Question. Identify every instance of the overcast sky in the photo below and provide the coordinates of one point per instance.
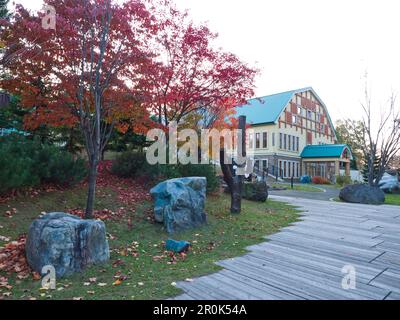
(327, 44)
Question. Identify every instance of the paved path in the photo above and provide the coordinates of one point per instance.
(329, 193)
(305, 260)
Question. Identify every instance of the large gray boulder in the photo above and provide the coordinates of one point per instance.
(255, 191)
(362, 193)
(179, 203)
(66, 242)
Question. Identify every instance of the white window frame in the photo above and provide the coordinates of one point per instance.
(251, 141)
(266, 140)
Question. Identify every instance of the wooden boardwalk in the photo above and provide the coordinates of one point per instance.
(305, 260)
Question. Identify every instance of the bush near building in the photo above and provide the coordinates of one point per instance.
(132, 164)
(320, 180)
(343, 180)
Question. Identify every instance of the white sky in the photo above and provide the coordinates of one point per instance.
(327, 44)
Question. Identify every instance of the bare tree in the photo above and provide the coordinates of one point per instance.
(395, 163)
(379, 138)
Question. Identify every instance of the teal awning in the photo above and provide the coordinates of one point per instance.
(326, 151)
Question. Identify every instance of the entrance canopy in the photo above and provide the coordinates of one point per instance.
(339, 151)
(326, 160)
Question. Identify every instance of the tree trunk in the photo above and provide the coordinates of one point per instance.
(92, 190)
(236, 195)
(371, 170)
(234, 182)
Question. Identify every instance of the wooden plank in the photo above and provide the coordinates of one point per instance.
(277, 281)
(215, 282)
(384, 218)
(393, 296)
(202, 292)
(194, 292)
(390, 238)
(389, 247)
(292, 279)
(387, 226)
(346, 238)
(282, 249)
(304, 260)
(390, 279)
(324, 247)
(335, 221)
(241, 289)
(330, 281)
(379, 215)
(257, 285)
(319, 238)
(391, 259)
(349, 228)
(328, 265)
(337, 213)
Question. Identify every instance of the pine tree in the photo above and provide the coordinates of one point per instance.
(365, 169)
(4, 13)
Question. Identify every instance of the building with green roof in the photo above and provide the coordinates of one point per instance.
(291, 134)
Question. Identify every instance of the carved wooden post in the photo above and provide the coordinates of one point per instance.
(235, 182)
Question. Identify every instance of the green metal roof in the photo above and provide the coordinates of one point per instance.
(325, 151)
(265, 110)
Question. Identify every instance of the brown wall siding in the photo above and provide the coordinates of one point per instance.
(293, 108)
(308, 104)
(288, 118)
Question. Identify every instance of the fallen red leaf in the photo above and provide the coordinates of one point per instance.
(13, 260)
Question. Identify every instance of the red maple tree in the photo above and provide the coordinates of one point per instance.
(87, 71)
(110, 65)
(191, 75)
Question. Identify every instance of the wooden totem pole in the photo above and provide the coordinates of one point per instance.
(232, 179)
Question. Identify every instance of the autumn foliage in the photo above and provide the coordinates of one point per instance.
(53, 71)
(110, 65)
(191, 76)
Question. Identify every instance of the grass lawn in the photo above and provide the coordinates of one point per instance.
(390, 199)
(298, 187)
(149, 273)
(393, 199)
